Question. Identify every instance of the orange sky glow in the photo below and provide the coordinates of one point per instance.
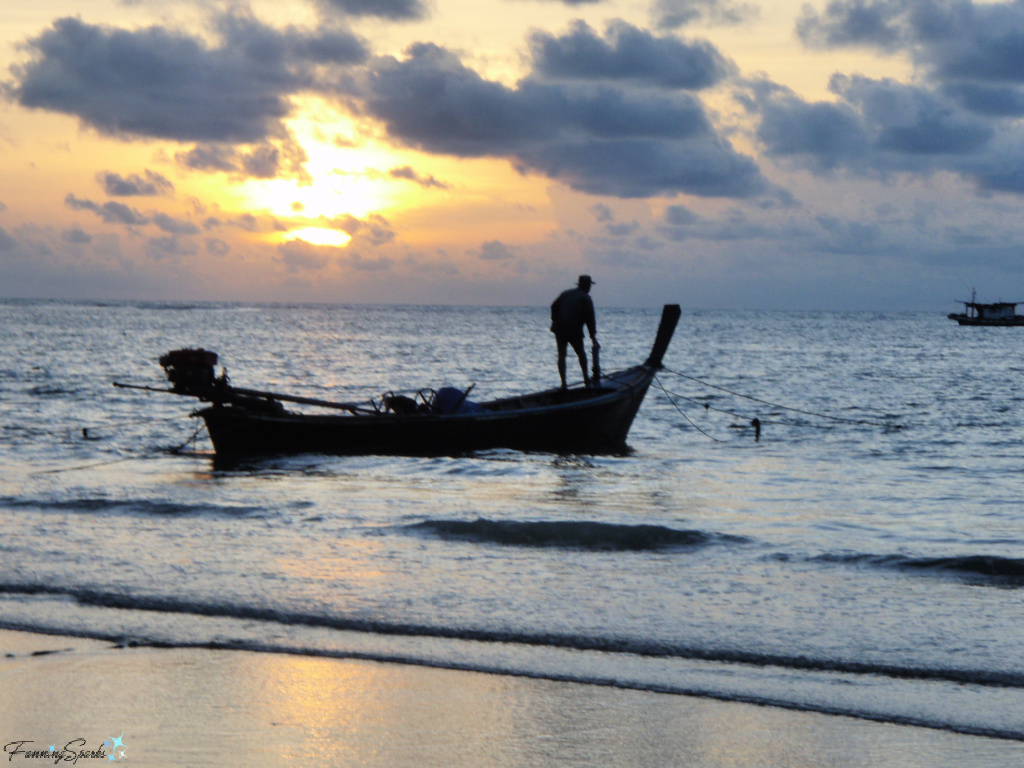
(716, 153)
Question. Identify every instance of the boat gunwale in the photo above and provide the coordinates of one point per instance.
(622, 389)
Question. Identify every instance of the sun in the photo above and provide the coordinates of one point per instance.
(318, 236)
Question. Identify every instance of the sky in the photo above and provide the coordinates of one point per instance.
(728, 154)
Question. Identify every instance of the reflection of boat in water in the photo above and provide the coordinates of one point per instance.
(244, 422)
(998, 313)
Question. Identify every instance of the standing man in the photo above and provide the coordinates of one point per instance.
(570, 312)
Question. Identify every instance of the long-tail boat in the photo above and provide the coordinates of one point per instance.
(578, 419)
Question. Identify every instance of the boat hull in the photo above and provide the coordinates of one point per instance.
(572, 421)
(1015, 320)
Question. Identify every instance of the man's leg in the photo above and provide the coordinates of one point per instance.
(581, 353)
(562, 343)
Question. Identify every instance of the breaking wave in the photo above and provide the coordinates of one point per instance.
(611, 537)
(992, 569)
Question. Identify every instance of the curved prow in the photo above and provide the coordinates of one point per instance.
(669, 317)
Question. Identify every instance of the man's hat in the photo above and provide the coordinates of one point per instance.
(585, 280)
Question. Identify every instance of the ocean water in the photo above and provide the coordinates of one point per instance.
(864, 557)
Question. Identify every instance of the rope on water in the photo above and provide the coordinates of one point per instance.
(872, 422)
(177, 450)
(682, 412)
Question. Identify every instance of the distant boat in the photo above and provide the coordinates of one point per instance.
(249, 423)
(998, 314)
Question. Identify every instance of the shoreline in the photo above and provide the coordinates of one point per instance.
(186, 706)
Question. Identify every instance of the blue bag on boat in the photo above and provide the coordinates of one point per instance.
(452, 400)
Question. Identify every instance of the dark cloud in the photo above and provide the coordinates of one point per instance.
(628, 53)
(495, 250)
(960, 114)
(112, 212)
(266, 160)
(705, 166)
(360, 263)
(170, 247)
(409, 173)
(673, 14)
(823, 134)
(991, 101)
(134, 185)
(217, 247)
(373, 230)
(950, 40)
(300, 256)
(875, 126)
(76, 236)
(847, 237)
(680, 216)
(911, 120)
(174, 226)
(156, 82)
(596, 137)
(395, 10)
(7, 243)
(847, 23)
(622, 229)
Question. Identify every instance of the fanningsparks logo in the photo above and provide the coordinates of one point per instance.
(71, 752)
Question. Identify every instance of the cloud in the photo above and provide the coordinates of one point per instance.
(395, 10)
(217, 247)
(673, 14)
(75, 235)
(874, 126)
(495, 250)
(170, 247)
(266, 160)
(111, 212)
(300, 256)
(409, 173)
(959, 115)
(116, 185)
(630, 54)
(7, 243)
(374, 230)
(912, 120)
(680, 216)
(847, 23)
(160, 83)
(950, 40)
(376, 264)
(988, 100)
(594, 136)
(175, 226)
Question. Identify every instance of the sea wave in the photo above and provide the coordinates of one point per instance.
(984, 569)
(569, 534)
(609, 644)
(143, 507)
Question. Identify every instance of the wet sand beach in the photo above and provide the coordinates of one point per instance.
(195, 707)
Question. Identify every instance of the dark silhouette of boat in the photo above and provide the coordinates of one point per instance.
(1000, 313)
(250, 423)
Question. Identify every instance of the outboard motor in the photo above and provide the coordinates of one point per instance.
(190, 370)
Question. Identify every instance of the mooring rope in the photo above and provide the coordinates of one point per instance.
(830, 417)
(174, 450)
(682, 412)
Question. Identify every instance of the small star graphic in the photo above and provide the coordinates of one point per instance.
(121, 753)
(53, 747)
(117, 742)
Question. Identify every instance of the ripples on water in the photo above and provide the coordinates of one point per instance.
(873, 568)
